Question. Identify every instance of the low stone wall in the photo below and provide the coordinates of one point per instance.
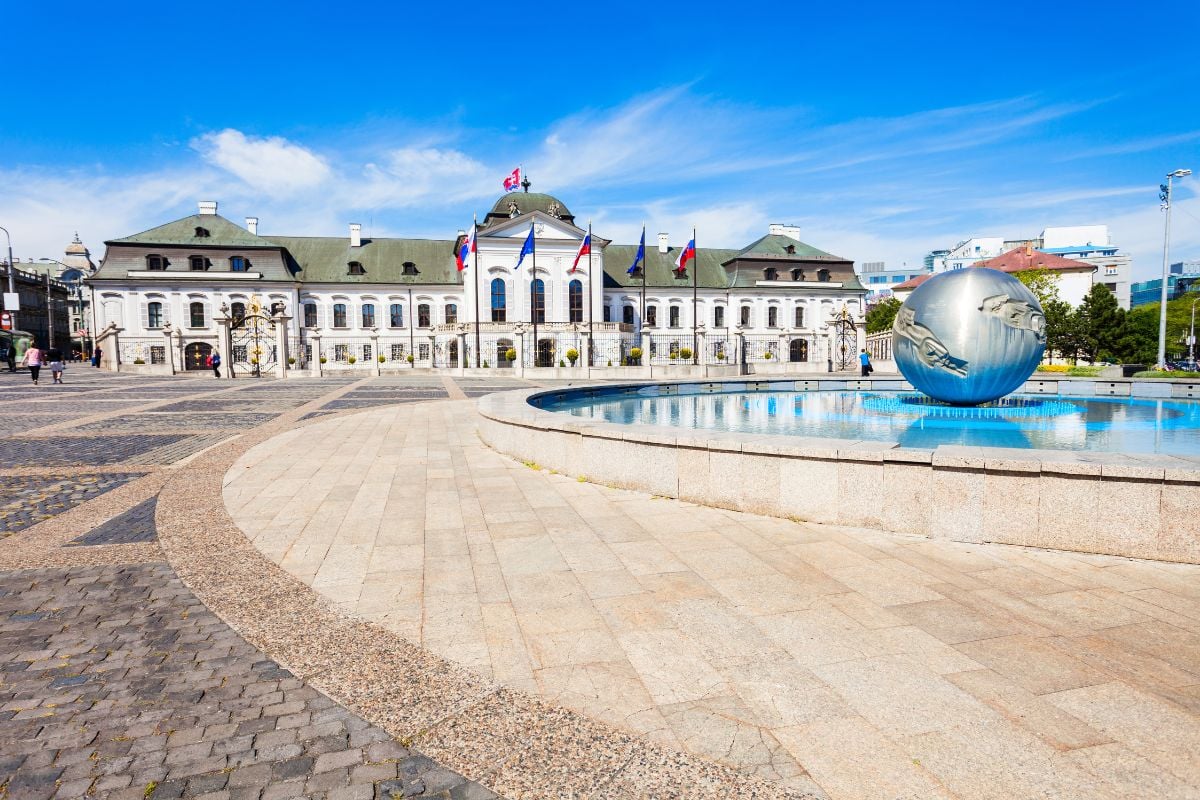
(1125, 505)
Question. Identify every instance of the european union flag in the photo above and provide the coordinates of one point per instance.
(527, 248)
(640, 258)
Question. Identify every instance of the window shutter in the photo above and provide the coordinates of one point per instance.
(145, 306)
(166, 310)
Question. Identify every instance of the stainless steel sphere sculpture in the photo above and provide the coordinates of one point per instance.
(969, 336)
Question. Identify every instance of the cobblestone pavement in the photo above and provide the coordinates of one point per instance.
(115, 681)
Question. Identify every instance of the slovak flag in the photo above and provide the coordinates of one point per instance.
(513, 182)
(585, 248)
(685, 255)
(465, 250)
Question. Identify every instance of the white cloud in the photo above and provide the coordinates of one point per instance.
(271, 165)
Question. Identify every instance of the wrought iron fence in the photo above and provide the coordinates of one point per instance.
(148, 350)
(761, 348)
(719, 349)
(671, 348)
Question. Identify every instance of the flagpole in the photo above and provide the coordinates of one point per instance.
(475, 233)
(695, 297)
(533, 292)
(642, 314)
(589, 294)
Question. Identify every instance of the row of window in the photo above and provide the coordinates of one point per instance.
(159, 263)
(772, 274)
(367, 310)
(746, 316)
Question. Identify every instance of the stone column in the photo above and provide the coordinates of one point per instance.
(109, 342)
(645, 348)
(739, 349)
(519, 346)
(462, 350)
(180, 351)
(224, 342)
(170, 351)
(281, 344)
(784, 353)
(585, 356)
(374, 335)
(315, 367)
(432, 350)
(701, 346)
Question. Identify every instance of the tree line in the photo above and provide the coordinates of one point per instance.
(1098, 330)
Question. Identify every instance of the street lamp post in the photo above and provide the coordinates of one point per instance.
(12, 277)
(78, 292)
(1162, 309)
(1192, 336)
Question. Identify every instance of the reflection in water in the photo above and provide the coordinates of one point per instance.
(1038, 421)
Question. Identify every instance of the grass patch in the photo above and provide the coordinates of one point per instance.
(1163, 373)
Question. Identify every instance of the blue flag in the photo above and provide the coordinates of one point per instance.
(527, 248)
(640, 258)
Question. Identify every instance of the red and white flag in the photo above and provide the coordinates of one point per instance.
(585, 248)
(513, 182)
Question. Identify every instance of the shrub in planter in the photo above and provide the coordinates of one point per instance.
(136, 360)
(510, 354)
(323, 360)
(686, 354)
(635, 355)
(351, 360)
(383, 359)
(486, 364)
(572, 356)
(562, 363)
(610, 362)
(409, 358)
(721, 356)
(767, 355)
(291, 361)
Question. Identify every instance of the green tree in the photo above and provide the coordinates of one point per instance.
(1101, 324)
(1042, 282)
(881, 315)
(1061, 329)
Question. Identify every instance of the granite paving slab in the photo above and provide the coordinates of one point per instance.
(86, 450)
(27, 500)
(162, 420)
(130, 527)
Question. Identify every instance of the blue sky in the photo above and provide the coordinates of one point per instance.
(884, 130)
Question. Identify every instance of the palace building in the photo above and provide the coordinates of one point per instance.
(173, 292)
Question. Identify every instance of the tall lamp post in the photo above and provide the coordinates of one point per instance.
(1192, 336)
(12, 277)
(1162, 308)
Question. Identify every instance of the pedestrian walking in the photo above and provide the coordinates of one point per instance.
(12, 355)
(214, 361)
(864, 361)
(96, 354)
(54, 357)
(33, 359)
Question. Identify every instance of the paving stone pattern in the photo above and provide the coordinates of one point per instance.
(158, 420)
(27, 500)
(90, 451)
(118, 683)
(132, 526)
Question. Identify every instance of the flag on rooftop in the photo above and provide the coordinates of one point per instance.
(513, 181)
(640, 257)
(585, 248)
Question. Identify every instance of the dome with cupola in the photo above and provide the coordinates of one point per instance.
(514, 204)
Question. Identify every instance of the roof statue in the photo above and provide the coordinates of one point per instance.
(555, 210)
(513, 208)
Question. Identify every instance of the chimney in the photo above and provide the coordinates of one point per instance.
(664, 243)
(208, 206)
(784, 229)
(355, 234)
(252, 225)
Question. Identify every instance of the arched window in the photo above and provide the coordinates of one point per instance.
(539, 300)
(310, 315)
(719, 317)
(627, 314)
(652, 316)
(423, 315)
(396, 315)
(339, 315)
(237, 264)
(575, 301)
(368, 315)
(499, 307)
(798, 350)
(156, 263)
(154, 315)
(198, 263)
(799, 316)
(745, 318)
(196, 314)
(451, 313)
(237, 313)
(674, 316)
(773, 317)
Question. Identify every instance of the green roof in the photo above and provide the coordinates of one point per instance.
(660, 267)
(526, 202)
(221, 233)
(776, 245)
(326, 259)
